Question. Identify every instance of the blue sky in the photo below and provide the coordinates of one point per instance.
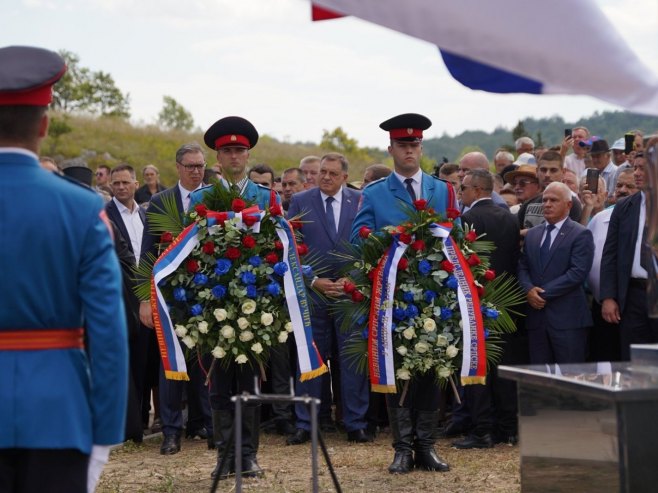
(265, 60)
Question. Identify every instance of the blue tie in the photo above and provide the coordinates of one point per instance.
(331, 222)
(545, 248)
(410, 189)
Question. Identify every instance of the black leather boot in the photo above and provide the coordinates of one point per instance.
(222, 423)
(425, 456)
(403, 434)
(250, 442)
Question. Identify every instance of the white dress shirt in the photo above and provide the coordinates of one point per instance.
(416, 184)
(335, 205)
(134, 225)
(637, 270)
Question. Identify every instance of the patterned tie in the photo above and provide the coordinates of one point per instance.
(410, 189)
(331, 222)
(545, 248)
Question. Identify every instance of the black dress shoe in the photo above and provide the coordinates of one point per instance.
(430, 461)
(250, 468)
(285, 427)
(403, 462)
(300, 436)
(199, 432)
(359, 436)
(474, 441)
(453, 430)
(170, 445)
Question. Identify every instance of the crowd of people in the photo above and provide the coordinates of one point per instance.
(568, 222)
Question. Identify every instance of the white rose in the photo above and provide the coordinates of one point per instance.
(288, 326)
(283, 336)
(203, 327)
(452, 351)
(266, 319)
(248, 307)
(247, 335)
(421, 347)
(227, 332)
(220, 314)
(241, 359)
(257, 348)
(445, 372)
(403, 374)
(188, 341)
(180, 330)
(218, 352)
(243, 323)
(429, 325)
(402, 350)
(409, 333)
(441, 340)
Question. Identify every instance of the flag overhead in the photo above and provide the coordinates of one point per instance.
(510, 46)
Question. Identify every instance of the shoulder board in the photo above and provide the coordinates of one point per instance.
(75, 182)
(376, 181)
(262, 186)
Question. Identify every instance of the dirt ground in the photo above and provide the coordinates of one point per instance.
(360, 468)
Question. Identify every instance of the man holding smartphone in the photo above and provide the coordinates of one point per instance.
(575, 161)
(600, 154)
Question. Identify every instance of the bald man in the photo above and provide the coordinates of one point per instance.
(477, 160)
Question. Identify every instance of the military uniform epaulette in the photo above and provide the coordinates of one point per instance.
(376, 181)
(263, 186)
(75, 182)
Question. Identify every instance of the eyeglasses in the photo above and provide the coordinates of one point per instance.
(523, 183)
(191, 167)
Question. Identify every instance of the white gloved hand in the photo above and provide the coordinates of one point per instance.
(100, 454)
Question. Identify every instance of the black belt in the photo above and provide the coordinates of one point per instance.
(638, 282)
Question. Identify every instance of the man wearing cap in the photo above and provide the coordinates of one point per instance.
(232, 137)
(600, 154)
(524, 182)
(63, 348)
(382, 204)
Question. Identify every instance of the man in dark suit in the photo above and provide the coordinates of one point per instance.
(556, 258)
(383, 204)
(328, 212)
(494, 404)
(624, 269)
(190, 163)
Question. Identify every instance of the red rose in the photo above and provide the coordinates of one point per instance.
(471, 236)
(371, 275)
(276, 210)
(418, 245)
(238, 205)
(201, 210)
(403, 264)
(208, 247)
(249, 220)
(296, 224)
(452, 213)
(490, 275)
(166, 237)
(278, 245)
(232, 253)
(447, 266)
(192, 266)
(420, 204)
(349, 287)
(357, 297)
(248, 241)
(302, 249)
(480, 291)
(364, 231)
(271, 258)
(474, 260)
(405, 238)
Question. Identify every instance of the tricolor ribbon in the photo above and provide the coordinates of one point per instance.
(173, 360)
(474, 357)
(380, 340)
(310, 361)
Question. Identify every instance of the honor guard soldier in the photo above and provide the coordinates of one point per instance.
(413, 425)
(63, 347)
(232, 137)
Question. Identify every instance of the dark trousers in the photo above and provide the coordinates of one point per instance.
(231, 380)
(635, 326)
(422, 395)
(555, 345)
(604, 343)
(280, 380)
(43, 471)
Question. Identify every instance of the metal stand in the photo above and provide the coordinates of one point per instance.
(236, 433)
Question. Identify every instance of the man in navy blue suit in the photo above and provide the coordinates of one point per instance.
(328, 212)
(383, 204)
(556, 259)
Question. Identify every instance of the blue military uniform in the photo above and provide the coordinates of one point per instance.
(252, 192)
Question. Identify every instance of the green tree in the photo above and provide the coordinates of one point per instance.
(56, 129)
(84, 91)
(174, 116)
(519, 131)
(337, 140)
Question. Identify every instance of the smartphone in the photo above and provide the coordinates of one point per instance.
(629, 143)
(567, 132)
(592, 180)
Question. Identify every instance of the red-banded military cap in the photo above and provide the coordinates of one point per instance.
(231, 131)
(27, 75)
(408, 126)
